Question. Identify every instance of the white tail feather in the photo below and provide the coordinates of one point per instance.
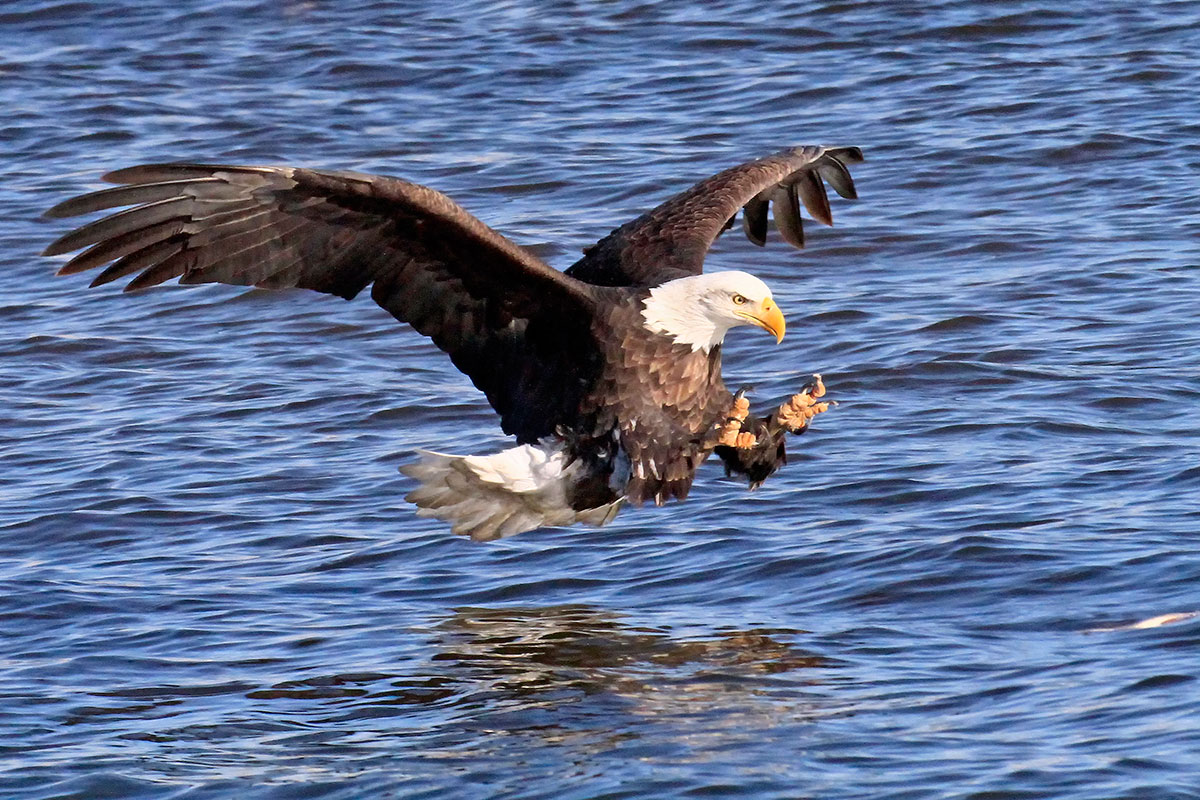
(489, 497)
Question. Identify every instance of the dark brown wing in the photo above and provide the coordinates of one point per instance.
(672, 240)
(508, 320)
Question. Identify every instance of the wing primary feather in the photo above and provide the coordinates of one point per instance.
(140, 259)
(136, 195)
(121, 245)
(754, 220)
(786, 207)
(120, 223)
(834, 171)
(171, 267)
(847, 155)
(260, 263)
(158, 173)
(812, 193)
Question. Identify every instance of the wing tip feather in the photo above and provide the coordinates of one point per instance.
(62, 245)
(60, 210)
(849, 154)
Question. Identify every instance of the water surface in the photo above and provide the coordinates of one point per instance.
(212, 587)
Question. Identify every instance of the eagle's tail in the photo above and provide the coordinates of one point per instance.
(488, 497)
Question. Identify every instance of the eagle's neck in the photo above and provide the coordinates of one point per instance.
(676, 309)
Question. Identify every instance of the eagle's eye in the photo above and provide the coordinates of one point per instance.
(738, 300)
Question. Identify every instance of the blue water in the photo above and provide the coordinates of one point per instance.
(211, 587)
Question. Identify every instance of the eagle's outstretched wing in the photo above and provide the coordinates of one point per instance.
(672, 240)
(516, 326)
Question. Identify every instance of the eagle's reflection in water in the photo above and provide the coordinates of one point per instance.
(573, 675)
(493, 694)
(548, 644)
(587, 679)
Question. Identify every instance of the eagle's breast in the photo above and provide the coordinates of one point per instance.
(659, 397)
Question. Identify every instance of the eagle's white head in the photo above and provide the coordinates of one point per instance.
(699, 310)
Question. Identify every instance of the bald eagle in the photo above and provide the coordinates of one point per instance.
(608, 374)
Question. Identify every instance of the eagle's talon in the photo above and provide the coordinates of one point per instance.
(815, 387)
(730, 432)
(738, 439)
(746, 440)
(796, 414)
(741, 406)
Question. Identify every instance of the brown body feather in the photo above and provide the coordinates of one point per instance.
(661, 399)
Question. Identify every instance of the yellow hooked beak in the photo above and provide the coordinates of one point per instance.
(768, 317)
